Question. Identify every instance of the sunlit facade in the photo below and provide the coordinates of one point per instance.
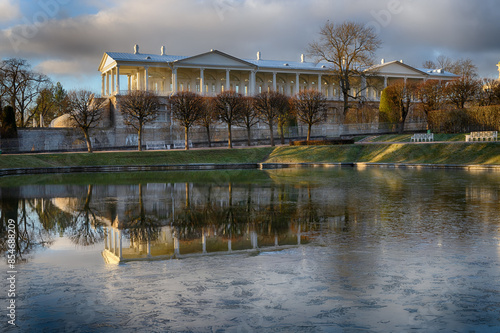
(213, 72)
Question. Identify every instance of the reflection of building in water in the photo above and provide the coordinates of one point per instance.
(168, 245)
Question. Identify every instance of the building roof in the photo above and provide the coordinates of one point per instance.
(261, 64)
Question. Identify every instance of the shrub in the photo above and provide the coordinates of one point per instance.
(9, 128)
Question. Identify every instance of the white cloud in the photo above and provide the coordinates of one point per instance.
(9, 10)
(280, 29)
(59, 67)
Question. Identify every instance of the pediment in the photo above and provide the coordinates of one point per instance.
(398, 68)
(215, 59)
(106, 62)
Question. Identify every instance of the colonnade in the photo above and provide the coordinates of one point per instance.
(210, 82)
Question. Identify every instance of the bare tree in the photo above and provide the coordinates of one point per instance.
(270, 106)
(85, 111)
(208, 117)
(21, 85)
(249, 117)
(228, 105)
(138, 108)
(431, 95)
(187, 108)
(490, 94)
(349, 48)
(311, 108)
(400, 96)
(462, 67)
(462, 90)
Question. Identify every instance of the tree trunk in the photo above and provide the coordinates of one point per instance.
(139, 139)
(309, 132)
(249, 136)
(271, 133)
(401, 127)
(282, 134)
(87, 139)
(229, 139)
(208, 136)
(186, 137)
(346, 104)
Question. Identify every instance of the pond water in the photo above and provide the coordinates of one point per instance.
(290, 250)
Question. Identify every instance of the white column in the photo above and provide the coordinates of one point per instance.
(103, 85)
(202, 81)
(107, 84)
(176, 246)
(298, 235)
(138, 80)
(253, 239)
(228, 81)
(385, 82)
(129, 82)
(117, 79)
(146, 78)
(252, 83)
(105, 238)
(297, 83)
(204, 241)
(174, 80)
(110, 238)
(112, 81)
(120, 250)
(274, 81)
(319, 83)
(115, 243)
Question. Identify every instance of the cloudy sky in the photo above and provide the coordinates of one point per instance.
(66, 39)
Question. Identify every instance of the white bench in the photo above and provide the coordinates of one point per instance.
(182, 144)
(422, 137)
(482, 136)
(152, 145)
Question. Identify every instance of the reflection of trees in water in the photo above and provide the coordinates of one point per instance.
(85, 228)
(274, 217)
(140, 226)
(226, 220)
(28, 231)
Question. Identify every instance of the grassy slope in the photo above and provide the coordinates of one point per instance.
(254, 155)
(438, 153)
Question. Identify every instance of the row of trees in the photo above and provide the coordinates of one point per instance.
(398, 98)
(228, 107)
(190, 109)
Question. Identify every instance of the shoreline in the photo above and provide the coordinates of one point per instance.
(463, 156)
(241, 166)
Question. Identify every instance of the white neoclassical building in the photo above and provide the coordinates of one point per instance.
(215, 71)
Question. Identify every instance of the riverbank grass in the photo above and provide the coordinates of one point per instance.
(484, 153)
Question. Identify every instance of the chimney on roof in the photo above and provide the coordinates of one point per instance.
(382, 61)
(136, 49)
(401, 61)
(259, 56)
(302, 58)
(163, 50)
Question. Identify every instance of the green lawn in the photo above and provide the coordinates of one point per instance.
(437, 153)
(246, 155)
